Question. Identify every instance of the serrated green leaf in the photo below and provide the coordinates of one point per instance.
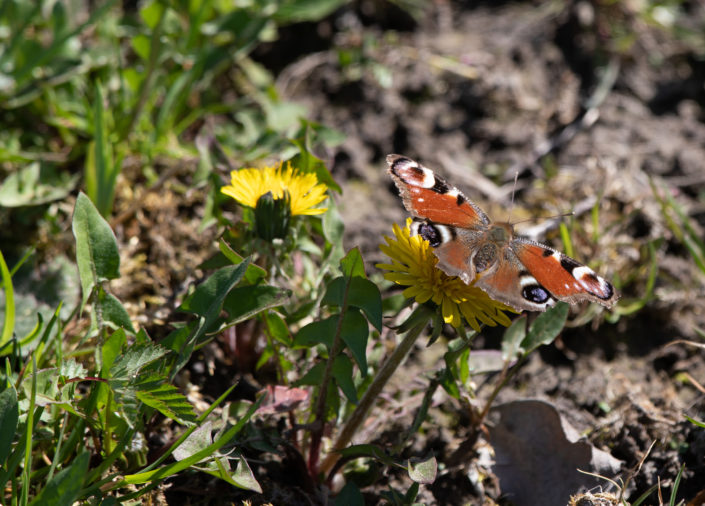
(9, 416)
(135, 358)
(165, 398)
(424, 471)
(96, 247)
(243, 302)
(343, 374)
(72, 369)
(546, 327)
(65, 487)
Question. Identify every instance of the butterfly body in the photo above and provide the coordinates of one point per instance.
(512, 269)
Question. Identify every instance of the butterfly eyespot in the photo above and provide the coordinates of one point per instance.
(536, 294)
(430, 233)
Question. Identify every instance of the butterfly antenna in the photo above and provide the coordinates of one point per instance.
(514, 190)
(547, 218)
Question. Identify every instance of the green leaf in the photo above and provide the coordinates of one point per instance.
(277, 328)
(352, 264)
(424, 471)
(254, 272)
(243, 477)
(546, 327)
(313, 376)
(168, 470)
(343, 374)
(354, 333)
(333, 226)
(9, 416)
(96, 247)
(243, 302)
(155, 392)
(318, 332)
(367, 450)
(362, 294)
(296, 11)
(512, 339)
(35, 184)
(350, 496)
(65, 487)
(308, 162)
(112, 349)
(208, 297)
(101, 171)
(114, 312)
(198, 440)
(135, 358)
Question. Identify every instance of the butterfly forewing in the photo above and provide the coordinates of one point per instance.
(428, 196)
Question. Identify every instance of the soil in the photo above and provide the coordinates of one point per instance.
(598, 110)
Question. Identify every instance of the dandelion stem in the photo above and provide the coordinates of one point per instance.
(369, 397)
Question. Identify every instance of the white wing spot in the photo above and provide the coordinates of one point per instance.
(429, 180)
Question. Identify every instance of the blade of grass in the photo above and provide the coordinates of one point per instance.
(24, 497)
(8, 327)
(169, 470)
(41, 57)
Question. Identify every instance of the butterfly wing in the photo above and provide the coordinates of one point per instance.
(564, 278)
(428, 196)
(511, 284)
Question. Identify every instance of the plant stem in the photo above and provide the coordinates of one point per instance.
(360, 412)
(320, 411)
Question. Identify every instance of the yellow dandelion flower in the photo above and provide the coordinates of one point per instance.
(305, 192)
(414, 265)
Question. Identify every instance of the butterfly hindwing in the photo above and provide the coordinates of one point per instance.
(566, 279)
(509, 283)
